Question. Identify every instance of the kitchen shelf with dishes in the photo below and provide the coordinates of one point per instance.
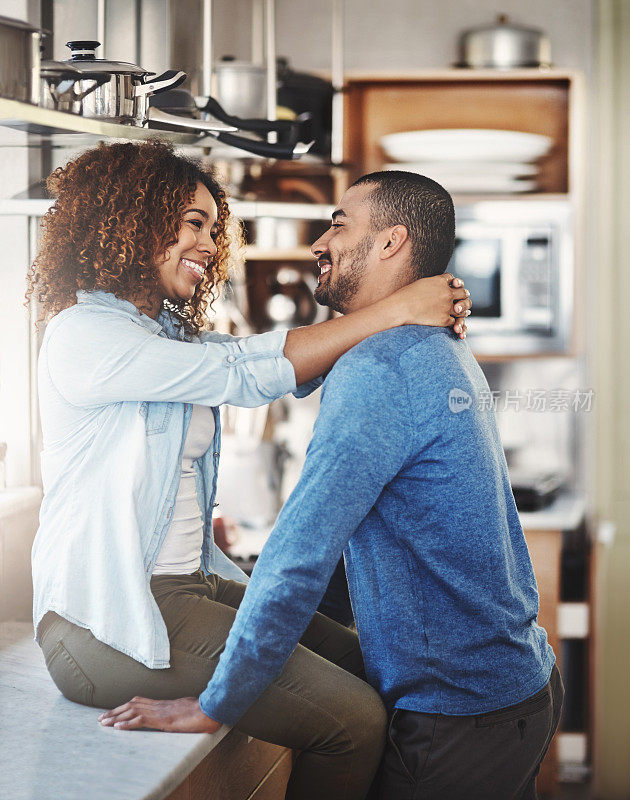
(509, 147)
(482, 132)
(118, 99)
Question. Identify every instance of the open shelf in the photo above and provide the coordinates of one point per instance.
(303, 253)
(60, 129)
(63, 128)
(245, 209)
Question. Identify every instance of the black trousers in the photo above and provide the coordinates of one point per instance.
(336, 600)
(493, 756)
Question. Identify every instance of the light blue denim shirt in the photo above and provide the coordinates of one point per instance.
(116, 392)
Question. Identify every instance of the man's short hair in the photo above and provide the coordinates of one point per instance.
(424, 207)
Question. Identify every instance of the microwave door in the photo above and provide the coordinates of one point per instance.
(513, 298)
(479, 259)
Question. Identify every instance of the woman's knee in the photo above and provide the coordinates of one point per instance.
(367, 723)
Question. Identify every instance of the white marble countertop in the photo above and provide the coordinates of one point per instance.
(566, 513)
(52, 748)
(14, 500)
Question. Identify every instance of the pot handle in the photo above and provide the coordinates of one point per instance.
(167, 80)
(200, 126)
(285, 152)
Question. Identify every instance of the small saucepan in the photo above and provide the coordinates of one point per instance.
(123, 90)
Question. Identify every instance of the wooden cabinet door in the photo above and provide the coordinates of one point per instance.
(545, 549)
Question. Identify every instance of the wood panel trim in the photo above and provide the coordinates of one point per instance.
(238, 768)
(285, 760)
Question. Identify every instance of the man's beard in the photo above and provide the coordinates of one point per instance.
(337, 292)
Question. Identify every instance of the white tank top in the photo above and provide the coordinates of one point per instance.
(181, 550)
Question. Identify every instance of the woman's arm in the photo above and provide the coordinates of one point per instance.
(429, 301)
(94, 358)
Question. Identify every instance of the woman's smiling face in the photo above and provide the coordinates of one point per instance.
(185, 263)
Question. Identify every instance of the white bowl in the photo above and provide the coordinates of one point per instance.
(508, 169)
(489, 184)
(465, 144)
(480, 178)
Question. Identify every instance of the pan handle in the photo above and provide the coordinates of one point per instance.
(214, 108)
(279, 151)
(198, 125)
(167, 80)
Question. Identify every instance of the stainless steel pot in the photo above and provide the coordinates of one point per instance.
(19, 60)
(504, 46)
(240, 87)
(123, 93)
(63, 86)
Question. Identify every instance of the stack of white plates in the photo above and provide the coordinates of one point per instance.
(470, 159)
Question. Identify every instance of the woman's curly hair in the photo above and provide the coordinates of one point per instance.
(118, 208)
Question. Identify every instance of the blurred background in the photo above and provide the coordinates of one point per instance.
(522, 113)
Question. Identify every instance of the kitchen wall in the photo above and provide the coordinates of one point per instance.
(404, 34)
(14, 349)
(380, 36)
(611, 371)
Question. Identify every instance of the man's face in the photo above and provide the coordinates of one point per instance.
(344, 254)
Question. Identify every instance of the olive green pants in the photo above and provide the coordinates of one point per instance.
(320, 704)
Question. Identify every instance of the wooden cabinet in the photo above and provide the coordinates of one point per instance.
(545, 549)
(547, 102)
(239, 768)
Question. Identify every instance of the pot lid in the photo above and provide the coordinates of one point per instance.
(504, 23)
(84, 58)
(18, 23)
(49, 69)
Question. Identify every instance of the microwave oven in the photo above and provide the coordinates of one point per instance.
(516, 258)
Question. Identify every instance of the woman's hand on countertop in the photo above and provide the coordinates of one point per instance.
(180, 716)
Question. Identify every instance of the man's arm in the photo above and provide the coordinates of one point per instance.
(360, 442)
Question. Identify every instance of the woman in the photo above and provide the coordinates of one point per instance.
(131, 596)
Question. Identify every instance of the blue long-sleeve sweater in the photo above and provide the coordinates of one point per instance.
(406, 472)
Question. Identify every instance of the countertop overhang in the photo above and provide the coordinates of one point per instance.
(53, 748)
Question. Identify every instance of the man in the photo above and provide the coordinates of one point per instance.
(406, 475)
